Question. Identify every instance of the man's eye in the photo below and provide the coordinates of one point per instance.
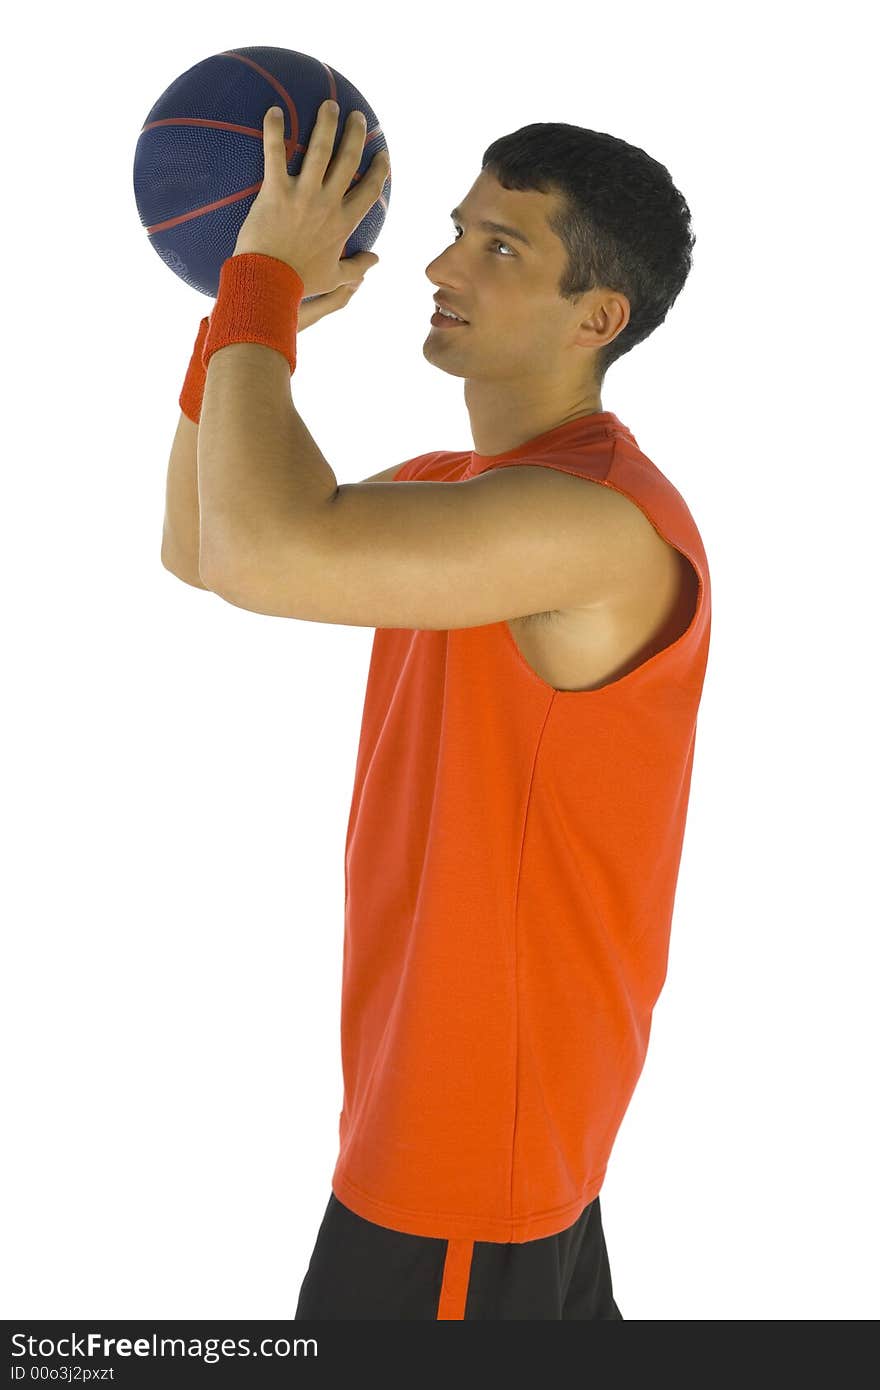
(493, 243)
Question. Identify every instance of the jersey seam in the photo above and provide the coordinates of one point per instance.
(516, 989)
(457, 1215)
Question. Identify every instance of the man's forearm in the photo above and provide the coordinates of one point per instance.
(180, 528)
(257, 461)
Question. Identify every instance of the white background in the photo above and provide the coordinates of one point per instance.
(178, 771)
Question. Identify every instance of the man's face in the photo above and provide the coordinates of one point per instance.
(505, 289)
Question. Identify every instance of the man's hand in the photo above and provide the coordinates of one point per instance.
(306, 219)
(311, 310)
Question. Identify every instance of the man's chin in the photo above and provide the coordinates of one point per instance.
(437, 359)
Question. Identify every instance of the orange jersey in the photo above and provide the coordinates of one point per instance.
(511, 861)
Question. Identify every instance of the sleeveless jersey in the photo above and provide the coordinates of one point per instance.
(511, 860)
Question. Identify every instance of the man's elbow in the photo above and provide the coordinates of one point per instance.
(215, 562)
(210, 578)
(225, 573)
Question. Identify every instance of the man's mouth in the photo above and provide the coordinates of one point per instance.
(443, 320)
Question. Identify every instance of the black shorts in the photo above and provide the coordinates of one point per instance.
(362, 1270)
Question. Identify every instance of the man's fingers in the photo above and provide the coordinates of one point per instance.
(356, 128)
(320, 147)
(357, 266)
(360, 199)
(274, 149)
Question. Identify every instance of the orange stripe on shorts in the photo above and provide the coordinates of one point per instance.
(456, 1276)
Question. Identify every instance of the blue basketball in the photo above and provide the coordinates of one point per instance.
(198, 164)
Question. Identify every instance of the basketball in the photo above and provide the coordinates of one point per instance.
(198, 163)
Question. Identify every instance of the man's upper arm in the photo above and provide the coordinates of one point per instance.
(439, 555)
(385, 477)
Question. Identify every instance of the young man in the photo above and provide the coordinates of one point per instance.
(542, 606)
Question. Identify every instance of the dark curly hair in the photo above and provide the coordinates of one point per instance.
(623, 222)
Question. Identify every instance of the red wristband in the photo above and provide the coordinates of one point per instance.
(193, 390)
(257, 302)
